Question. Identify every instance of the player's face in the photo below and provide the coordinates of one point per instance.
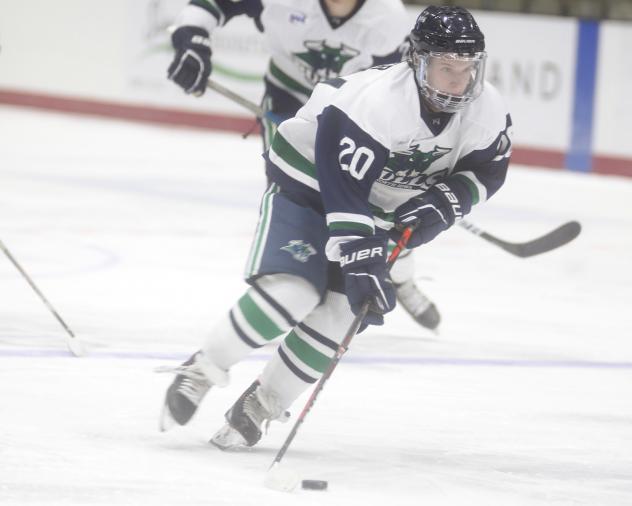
(449, 81)
(340, 8)
(450, 76)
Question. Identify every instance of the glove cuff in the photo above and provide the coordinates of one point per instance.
(187, 36)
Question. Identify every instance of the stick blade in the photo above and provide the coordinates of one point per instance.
(559, 237)
(76, 347)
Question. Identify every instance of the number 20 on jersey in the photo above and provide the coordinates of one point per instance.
(355, 160)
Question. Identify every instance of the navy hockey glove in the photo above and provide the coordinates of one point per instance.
(432, 213)
(364, 267)
(191, 65)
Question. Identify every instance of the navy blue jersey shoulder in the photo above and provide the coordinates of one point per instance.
(489, 165)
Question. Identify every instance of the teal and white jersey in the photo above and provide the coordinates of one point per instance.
(365, 144)
(306, 44)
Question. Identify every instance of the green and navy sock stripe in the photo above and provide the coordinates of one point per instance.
(325, 341)
(242, 335)
(255, 321)
(295, 370)
(307, 353)
(290, 322)
(262, 316)
(258, 245)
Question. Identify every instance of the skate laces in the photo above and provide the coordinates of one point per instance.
(194, 383)
(189, 371)
(200, 370)
(193, 390)
(261, 407)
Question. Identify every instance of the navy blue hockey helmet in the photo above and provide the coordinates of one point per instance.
(449, 40)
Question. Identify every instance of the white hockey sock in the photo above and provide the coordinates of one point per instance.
(266, 311)
(308, 348)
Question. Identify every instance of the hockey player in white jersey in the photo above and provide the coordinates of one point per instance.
(421, 141)
(309, 41)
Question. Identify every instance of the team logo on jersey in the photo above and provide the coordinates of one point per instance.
(408, 169)
(323, 61)
(300, 250)
(297, 17)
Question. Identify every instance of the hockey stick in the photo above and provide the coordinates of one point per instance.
(244, 102)
(74, 345)
(286, 481)
(554, 239)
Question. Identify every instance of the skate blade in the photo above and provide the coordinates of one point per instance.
(227, 439)
(166, 422)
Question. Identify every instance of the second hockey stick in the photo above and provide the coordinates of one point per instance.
(73, 343)
(286, 481)
(554, 239)
(244, 102)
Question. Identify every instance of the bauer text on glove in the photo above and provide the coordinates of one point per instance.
(364, 267)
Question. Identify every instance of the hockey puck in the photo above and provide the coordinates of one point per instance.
(314, 484)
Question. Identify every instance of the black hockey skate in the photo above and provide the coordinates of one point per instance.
(193, 380)
(245, 418)
(420, 307)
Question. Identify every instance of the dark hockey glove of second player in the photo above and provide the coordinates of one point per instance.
(364, 267)
(430, 214)
(191, 65)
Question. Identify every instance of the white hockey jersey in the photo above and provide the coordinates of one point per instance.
(306, 45)
(364, 144)
(306, 48)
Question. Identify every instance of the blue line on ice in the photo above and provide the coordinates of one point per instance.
(377, 360)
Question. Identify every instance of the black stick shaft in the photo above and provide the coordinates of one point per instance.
(342, 348)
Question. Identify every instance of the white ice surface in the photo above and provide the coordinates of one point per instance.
(138, 236)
